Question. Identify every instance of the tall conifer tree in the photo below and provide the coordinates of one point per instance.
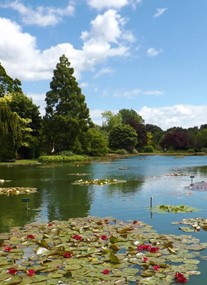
(67, 116)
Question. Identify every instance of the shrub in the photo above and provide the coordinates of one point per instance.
(121, 151)
(61, 158)
(148, 148)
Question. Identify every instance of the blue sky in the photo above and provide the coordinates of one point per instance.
(146, 55)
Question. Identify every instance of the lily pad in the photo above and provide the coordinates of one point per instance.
(173, 209)
(99, 182)
(95, 250)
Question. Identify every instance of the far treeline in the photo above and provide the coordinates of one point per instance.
(67, 129)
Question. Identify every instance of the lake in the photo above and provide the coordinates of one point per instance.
(160, 179)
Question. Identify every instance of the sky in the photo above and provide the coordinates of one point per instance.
(145, 55)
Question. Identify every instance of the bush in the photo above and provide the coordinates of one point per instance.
(135, 151)
(66, 153)
(121, 151)
(61, 158)
(148, 148)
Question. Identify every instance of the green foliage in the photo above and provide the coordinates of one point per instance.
(97, 142)
(66, 153)
(130, 117)
(12, 130)
(7, 84)
(97, 251)
(148, 148)
(121, 151)
(111, 120)
(173, 209)
(67, 116)
(61, 158)
(27, 110)
(122, 136)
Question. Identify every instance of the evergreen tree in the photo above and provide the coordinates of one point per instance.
(67, 116)
(7, 84)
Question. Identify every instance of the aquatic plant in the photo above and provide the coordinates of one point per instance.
(95, 250)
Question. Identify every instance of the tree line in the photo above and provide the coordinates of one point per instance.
(66, 127)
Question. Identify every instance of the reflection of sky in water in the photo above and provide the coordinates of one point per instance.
(162, 178)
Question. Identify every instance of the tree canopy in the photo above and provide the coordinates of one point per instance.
(7, 84)
(67, 115)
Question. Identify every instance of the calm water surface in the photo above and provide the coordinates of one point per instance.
(146, 176)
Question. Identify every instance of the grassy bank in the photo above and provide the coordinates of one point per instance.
(62, 159)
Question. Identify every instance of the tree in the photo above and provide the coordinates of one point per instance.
(176, 139)
(130, 117)
(156, 132)
(26, 109)
(112, 120)
(201, 138)
(122, 136)
(67, 116)
(97, 142)
(12, 129)
(7, 84)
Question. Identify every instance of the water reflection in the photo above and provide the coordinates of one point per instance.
(57, 197)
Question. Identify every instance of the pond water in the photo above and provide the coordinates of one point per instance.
(160, 179)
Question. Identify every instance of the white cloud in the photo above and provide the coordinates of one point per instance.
(185, 116)
(41, 16)
(18, 47)
(105, 70)
(152, 52)
(114, 4)
(38, 100)
(96, 116)
(159, 12)
(136, 92)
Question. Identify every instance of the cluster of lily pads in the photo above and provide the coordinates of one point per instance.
(98, 181)
(95, 250)
(17, 190)
(173, 209)
(192, 224)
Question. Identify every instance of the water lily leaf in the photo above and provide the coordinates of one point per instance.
(187, 229)
(114, 259)
(3, 276)
(55, 275)
(39, 279)
(41, 250)
(12, 280)
(113, 239)
(130, 271)
(71, 267)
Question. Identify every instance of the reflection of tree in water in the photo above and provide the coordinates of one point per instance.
(67, 202)
(129, 187)
(13, 212)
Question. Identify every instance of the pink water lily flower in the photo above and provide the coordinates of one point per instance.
(156, 267)
(30, 236)
(180, 278)
(31, 272)
(106, 271)
(7, 248)
(12, 271)
(104, 237)
(77, 237)
(67, 254)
